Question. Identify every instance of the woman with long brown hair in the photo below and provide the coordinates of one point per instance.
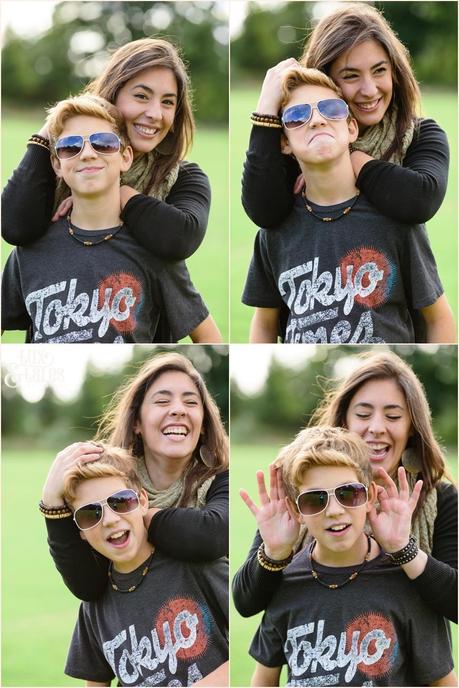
(165, 200)
(165, 416)
(400, 160)
(383, 401)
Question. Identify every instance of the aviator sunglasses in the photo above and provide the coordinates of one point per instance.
(103, 143)
(350, 495)
(330, 108)
(121, 502)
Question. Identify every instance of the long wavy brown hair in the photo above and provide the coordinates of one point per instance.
(344, 29)
(388, 366)
(124, 65)
(117, 423)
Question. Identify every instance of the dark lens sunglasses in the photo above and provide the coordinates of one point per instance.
(350, 495)
(298, 115)
(103, 143)
(121, 502)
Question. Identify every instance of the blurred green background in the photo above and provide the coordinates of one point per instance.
(273, 32)
(41, 69)
(38, 612)
(268, 417)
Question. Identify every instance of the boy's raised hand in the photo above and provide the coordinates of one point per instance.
(391, 524)
(278, 527)
(54, 485)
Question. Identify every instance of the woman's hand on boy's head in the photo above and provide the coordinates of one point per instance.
(278, 529)
(63, 209)
(391, 524)
(53, 489)
(270, 98)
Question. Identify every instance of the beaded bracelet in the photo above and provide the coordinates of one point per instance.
(38, 140)
(406, 554)
(271, 564)
(265, 120)
(54, 511)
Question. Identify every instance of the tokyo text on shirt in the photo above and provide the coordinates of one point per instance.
(351, 281)
(114, 291)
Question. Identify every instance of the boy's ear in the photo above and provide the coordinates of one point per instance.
(83, 535)
(293, 511)
(127, 156)
(143, 498)
(285, 145)
(372, 495)
(56, 163)
(353, 128)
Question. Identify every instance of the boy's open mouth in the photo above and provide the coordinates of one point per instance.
(119, 538)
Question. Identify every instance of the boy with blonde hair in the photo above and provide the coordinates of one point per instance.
(344, 614)
(344, 272)
(87, 279)
(170, 628)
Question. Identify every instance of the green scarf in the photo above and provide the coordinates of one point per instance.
(162, 499)
(376, 139)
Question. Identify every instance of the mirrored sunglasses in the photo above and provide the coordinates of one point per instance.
(121, 502)
(350, 495)
(330, 108)
(103, 143)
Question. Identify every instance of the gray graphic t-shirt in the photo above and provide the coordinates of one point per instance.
(115, 291)
(351, 281)
(374, 631)
(171, 631)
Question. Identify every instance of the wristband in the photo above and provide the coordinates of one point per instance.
(271, 564)
(38, 140)
(54, 511)
(406, 554)
(259, 120)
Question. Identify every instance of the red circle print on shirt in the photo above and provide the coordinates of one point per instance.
(188, 625)
(377, 643)
(122, 293)
(372, 275)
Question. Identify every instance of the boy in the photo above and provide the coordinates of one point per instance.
(170, 628)
(344, 614)
(86, 279)
(345, 272)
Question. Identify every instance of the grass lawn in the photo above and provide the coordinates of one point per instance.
(209, 265)
(245, 461)
(442, 228)
(38, 612)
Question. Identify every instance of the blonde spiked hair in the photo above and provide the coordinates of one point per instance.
(113, 462)
(322, 446)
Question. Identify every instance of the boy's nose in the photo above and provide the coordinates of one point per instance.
(333, 506)
(87, 151)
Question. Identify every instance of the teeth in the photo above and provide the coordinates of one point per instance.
(338, 528)
(368, 106)
(116, 536)
(149, 131)
(175, 430)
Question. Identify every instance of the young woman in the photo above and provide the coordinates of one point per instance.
(383, 401)
(166, 417)
(165, 200)
(400, 161)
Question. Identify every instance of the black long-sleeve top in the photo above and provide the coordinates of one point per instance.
(411, 193)
(254, 586)
(171, 229)
(186, 534)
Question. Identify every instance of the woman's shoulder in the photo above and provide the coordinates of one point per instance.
(191, 173)
(446, 493)
(428, 130)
